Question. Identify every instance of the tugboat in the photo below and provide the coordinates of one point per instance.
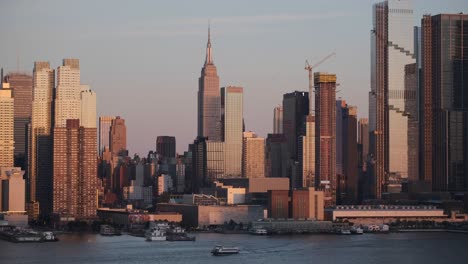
(222, 251)
(357, 231)
(157, 233)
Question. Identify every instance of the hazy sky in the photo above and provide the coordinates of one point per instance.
(143, 58)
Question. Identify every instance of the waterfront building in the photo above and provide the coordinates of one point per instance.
(39, 178)
(325, 135)
(278, 204)
(118, 137)
(21, 85)
(278, 120)
(253, 156)
(75, 171)
(444, 104)
(232, 127)
(392, 47)
(104, 132)
(307, 203)
(209, 103)
(166, 146)
(12, 190)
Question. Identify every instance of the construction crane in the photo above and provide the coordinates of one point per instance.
(310, 68)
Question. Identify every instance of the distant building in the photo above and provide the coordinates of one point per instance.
(444, 104)
(209, 103)
(118, 137)
(295, 110)
(392, 47)
(325, 134)
(350, 155)
(276, 156)
(12, 190)
(104, 132)
(307, 155)
(278, 204)
(231, 119)
(75, 171)
(278, 120)
(39, 180)
(166, 146)
(88, 107)
(21, 85)
(253, 156)
(68, 92)
(7, 143)
(165, 184)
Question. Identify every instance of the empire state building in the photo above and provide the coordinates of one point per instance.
(209, 102)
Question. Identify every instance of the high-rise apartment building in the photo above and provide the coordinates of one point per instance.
(444, 101)
(104, 132)
(7, 143)
(68, 92)
(166, 146)
(232, 117)
(325, 135)
(365, 183)
(278, 120)
(118, 136)
(21, 85)
(39, 180)
(253, 156)
(209, 103)
(75, 171)
(392, 45)
(295, 110)
(350, 155)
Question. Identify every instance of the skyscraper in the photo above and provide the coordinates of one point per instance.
(75, 171)
(88, 107)
(104, 132)
(307, 154)
(166, 146)
(391, 49)
(253, 156)
(365, 182)
(209, 104)
(295, 110)
(21, 86)
(118, 136)
(7, 146)
(232, 116)
(350, 155)
(278, 120)
(276, 156)
(67, 92)
(325, 134)
(39, 183)
(444, 114)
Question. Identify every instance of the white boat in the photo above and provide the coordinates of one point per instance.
(258, 231)
(155, 234)
(222, 251)
(49, 236)
(357, 230)
(344, 231)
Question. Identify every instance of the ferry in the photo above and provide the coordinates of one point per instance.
(222, 251)
(258, 231)
(157, 233)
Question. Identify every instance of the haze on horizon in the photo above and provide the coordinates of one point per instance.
(144, 58)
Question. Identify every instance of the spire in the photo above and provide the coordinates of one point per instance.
(209, 57)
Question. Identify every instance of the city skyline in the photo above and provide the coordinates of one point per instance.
(150, 66)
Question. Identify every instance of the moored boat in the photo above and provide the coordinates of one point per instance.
(258, 231)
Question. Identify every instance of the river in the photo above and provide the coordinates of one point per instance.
(391, 248)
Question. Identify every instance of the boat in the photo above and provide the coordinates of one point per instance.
(49, 236)
(357, 231)
(343, 231)
(155, 234)
(222, 251)
(107, 230)
(258, 231)
(178, 234)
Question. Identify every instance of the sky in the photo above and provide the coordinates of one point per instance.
(143, 58)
